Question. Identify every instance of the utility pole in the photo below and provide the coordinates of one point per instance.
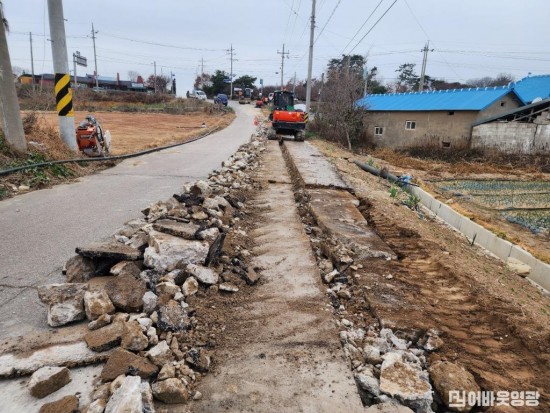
(95, 57)
(310, 63)
(155, 65)
(202, 65)
(9, 105)
(231, 52)
(32, 63)
(366, 77)
(283, 53)
(424, 61)
(63, 95)
(294, 84)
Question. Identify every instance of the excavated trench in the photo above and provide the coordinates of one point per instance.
(418, 292)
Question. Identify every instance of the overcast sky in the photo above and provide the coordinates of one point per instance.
(470, 38)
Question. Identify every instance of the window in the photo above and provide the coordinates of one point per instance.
(410, 124)
(378, 130)
(451, 113)
(446, 144)
(503, 103)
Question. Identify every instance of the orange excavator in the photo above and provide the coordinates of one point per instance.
(91, 138)
(285, 119)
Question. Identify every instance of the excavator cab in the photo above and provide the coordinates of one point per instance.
(286, 120)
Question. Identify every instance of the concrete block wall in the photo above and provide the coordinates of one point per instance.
(505, 136)
(542, 138)
(540, 271)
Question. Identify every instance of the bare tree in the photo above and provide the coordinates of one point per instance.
(9, 105)
(133, 75)
(340, 118)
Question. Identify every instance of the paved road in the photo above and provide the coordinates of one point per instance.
(40, 230)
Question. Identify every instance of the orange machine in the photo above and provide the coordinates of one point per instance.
(286, 120)
(91, 139)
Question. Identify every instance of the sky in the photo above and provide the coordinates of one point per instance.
(467, 38)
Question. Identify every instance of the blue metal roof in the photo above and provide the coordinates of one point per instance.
(532, 87)
(456, 99)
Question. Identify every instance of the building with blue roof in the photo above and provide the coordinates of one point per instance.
(435, 118)
(444, 118)
(532, 87)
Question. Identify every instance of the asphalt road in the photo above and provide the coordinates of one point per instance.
(40, 230)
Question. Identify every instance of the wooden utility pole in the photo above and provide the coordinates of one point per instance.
(63, 93)
(310, 63)
(95, 58)
(283, 53)
(424, 61)
(9, 105)
(32, 62)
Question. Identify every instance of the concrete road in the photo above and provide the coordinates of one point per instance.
(40, 230)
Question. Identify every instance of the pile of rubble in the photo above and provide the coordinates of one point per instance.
(144, 317)
(392, 373)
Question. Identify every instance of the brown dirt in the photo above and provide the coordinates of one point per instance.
(133, 132)
(493, 322)
(425, 171)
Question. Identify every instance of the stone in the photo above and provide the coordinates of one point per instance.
(232, 288)
(133, 338)
(172, 317)
(198, 359)
(250, 276)
(199, 216)
(79, 269)
(170, 391)
(215, 249)
(203, 274)
(166, 251)
(388, 407)
(209, 234)
(372, 354)
(48, 379)
(166, 291)
(367, 382)
(68, 404)
(97, 303)
(395, 342)
(330, 276)
(114, 250)
(149, 302)
(97, 406)
(200, 188)
(125, 267)
(104, 338)
(432, 341)
(117, 383)
(103, 391)
(147, 397)
(160, 354)
(168, 371)
(448, 377)
(190, 286)
(101, 321)
(177, 229)
(122, 361)
(406, 382)
(139, 241)
(65, 302)
(519, 267)
(126, 293)
(127, 399)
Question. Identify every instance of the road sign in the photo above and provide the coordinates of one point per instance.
(261, 82)
(80, 60)
(227, 81)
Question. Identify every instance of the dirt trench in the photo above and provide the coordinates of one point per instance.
(439, 282)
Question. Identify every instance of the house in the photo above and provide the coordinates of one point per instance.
(522, 130)
(435, 118)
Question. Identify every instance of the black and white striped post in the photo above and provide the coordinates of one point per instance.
(63, 93)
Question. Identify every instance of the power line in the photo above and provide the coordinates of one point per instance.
(373, 26)
(363, 25)
(329, 17)
(160, 44)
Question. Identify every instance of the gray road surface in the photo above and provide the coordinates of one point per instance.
(40, 230)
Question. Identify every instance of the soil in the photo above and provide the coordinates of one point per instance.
(426, 172)
(131, 132)
(493, 322)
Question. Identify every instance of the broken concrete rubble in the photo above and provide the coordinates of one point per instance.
(127, 398)
(448, 377)
(112, 250)
(65, 302)
(122, 362)
(96, 304)
(126, 293)
(47, 380)
(68, 404)
(170, 391)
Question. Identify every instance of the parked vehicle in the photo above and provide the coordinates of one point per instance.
(285, 118)
(198, 94)
(221, 99)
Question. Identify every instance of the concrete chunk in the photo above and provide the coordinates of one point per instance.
(46, 380)
(114, 250)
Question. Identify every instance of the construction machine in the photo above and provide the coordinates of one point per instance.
(285, 118)
(91, 138)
